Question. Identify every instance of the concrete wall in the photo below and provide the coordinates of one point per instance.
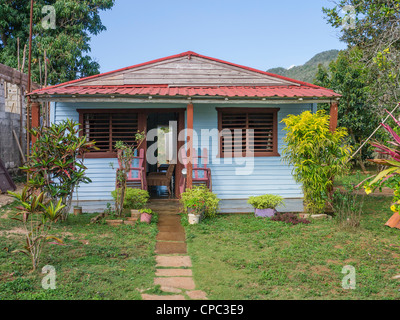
(10, 107)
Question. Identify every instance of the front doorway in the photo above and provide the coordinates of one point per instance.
(162, 165)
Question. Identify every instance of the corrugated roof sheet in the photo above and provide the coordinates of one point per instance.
(164, 90)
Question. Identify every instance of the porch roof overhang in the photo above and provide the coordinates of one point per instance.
(163, 93)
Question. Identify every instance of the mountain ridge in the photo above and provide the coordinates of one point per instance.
(308, 70)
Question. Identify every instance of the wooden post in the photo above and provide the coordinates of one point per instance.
(35, 106)
(334, 116)
(189, 127)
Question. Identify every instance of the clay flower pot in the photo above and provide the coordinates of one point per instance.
(135, 213)
(145, 217)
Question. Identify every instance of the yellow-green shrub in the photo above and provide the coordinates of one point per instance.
(317, 154)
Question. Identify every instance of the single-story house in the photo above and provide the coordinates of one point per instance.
(183, 92)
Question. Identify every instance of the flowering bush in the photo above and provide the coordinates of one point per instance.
(201, 196)
(391, 176)
(196, 205)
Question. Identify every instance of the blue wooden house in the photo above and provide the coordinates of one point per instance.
(174, 95)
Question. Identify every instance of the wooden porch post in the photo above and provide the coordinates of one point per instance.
(334, 116)
(35, 109)
(189, 127)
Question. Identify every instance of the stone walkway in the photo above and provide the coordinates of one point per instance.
(173, 274)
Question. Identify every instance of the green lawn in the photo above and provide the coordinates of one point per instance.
(242, 257)
(97, 261)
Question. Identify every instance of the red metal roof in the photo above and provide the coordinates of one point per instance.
(301, 89)
(164, 90)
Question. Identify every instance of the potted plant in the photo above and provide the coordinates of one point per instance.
(207, 203)
(195, 208)
(265, 205)
(135, 199)
(146, 215)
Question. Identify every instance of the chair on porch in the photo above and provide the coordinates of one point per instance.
(162, 178)
(201, 173)
(136, 177)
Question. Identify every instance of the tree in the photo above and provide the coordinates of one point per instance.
(349, 77)
(55, 166)
(374, 29)
(66, 46)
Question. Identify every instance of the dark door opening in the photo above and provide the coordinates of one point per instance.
(162, 146)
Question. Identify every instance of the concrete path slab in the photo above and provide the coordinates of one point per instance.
(174, 273)
(171, 248)
(171, 236)
(173, 261)
(176, 282)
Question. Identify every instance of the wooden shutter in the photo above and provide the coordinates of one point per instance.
(106, 128)
(261, 122)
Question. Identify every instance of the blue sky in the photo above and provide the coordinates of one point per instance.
(257, 33)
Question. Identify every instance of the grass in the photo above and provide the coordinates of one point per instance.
(97, 262)
(245, 258)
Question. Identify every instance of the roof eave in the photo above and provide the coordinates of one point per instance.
(181, 99)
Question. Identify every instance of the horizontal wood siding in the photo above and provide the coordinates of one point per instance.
(270, 174)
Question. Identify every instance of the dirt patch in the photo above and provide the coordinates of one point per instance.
(6, 199)
(13, 232)
(320, 269)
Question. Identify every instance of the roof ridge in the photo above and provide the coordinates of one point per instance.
(183, 54)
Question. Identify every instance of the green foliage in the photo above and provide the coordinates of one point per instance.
(375, 32)
(349, 77)
(66, 46)
(148, 211)
(268, 201)
(317, 154)
(201, 193)
(195, 205)
(307, 71)
(56, 162)
(36, 215)
(134, 198)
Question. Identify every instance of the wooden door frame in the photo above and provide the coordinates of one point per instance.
(143, 118)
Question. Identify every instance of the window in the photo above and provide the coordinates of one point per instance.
(248, 130)
(106, 128)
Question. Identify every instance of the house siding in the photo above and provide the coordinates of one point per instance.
(270, 174)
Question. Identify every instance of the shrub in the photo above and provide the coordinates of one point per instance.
(317, 154)
(36, 215)
(134, 198)
(201, 193)
(267, 201)
(289, 218)
(390, 177)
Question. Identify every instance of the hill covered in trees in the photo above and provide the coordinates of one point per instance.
(307, 71)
